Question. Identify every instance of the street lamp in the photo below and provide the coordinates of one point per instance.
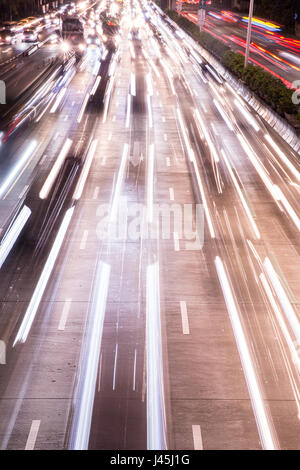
(249, 32)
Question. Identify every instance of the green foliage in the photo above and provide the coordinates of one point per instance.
(268, 88)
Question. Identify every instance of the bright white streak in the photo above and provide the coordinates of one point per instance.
(156, 424)
(43, 280)
(283, 299)
(18, 167)
(11, 237)
(55, 169)
(244, 203)
(116, 199)
(248, 367)
(85, 171)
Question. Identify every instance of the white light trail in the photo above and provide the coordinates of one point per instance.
(81, 427)
(240, 193)
(83, 108)
(156, 420)
(116, 198)
(55, 169)
(150, 183)
(85, 171)
(43, 280)
(248, 367)
(282, 156)
(11, 237)
(247, 115)
(209, 141)
(18, 168)
(290, 313)
(59, 97)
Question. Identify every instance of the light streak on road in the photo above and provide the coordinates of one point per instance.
(242, 198)
(223, 114)
(18, 169)
(290, 313)
(282, 156)
(246, 114)
(85, 394)
(55, 169)
(117, 192)
(59, 97)
(79, 118)
(156, 420)
(12, 235)
(209, 141)
(150, 184)
(261, 417)
(128, 111)
(85, 171)
(43, 280)
(284, 329)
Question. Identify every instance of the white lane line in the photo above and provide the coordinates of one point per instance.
(56, 135)
(171, 192)
(83, 240)
(114, 118)
(134, 371)
(23, 191)
(96, 192)
(103, 162)
(73, 102)
(184, 318)
(34, 429)
(165, 137)
(66, 117)
(163, 119)
(115, 367)
(197, 437)
(64, 315)
(168, 161)
(204, 108)
(100, 373)
(109, 136)
(176, 241)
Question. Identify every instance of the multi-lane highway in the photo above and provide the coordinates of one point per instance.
(119, 332)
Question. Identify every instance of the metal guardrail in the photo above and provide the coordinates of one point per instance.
(280, 125)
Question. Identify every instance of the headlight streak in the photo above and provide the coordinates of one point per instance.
(107, 98)
(96, 84)
(209, 141)
(198, 177)
(246, 115)
(85, 171)
(18, 169)
(290, 313)
(121, 173)
(223, 114)
(149, 107)
(242, 198)
(282, 156)
(128, 111)
(169, 75)
(284, 329)
(81, 427)
(248, 367)
(59, 97)
(55, 169)
(11, 237)
(43, 280)
(150, 184)
(156, 419)
(79, 118)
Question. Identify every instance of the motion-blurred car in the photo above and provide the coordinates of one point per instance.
(8, 37)
(30, 35)
(93, 40)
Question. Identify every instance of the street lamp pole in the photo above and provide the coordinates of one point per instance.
(249, 32)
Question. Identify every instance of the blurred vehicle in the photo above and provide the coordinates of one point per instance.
(73, 33)
(8, 37)
(93, 40)
(11, 25)
(30, 35)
